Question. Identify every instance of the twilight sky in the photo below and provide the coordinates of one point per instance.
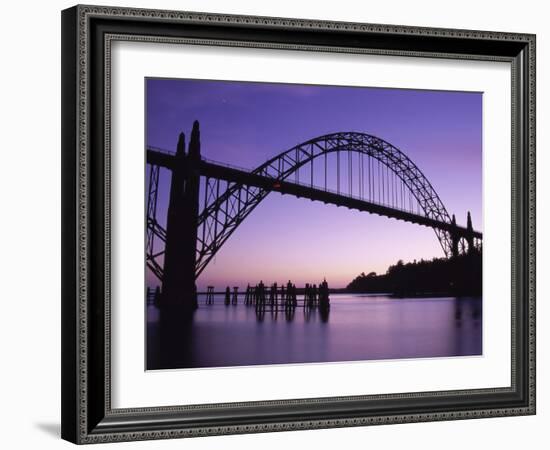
(284, 238)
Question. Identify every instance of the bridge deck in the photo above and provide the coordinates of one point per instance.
(298, 190)
(233, 174)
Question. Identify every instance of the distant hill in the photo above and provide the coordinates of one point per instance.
(461, 275)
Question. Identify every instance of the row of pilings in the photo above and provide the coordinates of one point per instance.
(284, 297)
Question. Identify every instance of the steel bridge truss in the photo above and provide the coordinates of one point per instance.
(227, 209)
(227, 203)
(154, 229)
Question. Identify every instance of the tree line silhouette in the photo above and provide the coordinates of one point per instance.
(460, 275)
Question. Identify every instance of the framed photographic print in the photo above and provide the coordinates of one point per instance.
(281, 224)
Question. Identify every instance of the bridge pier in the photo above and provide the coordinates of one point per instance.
(454, 239)
(470, 235)
(178, 285)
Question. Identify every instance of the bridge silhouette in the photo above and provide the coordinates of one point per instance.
(348, 169)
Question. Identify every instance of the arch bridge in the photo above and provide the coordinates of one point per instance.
(209, 200)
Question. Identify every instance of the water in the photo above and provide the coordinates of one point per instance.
(357, 327)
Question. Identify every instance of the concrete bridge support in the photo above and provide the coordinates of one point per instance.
(454, 239)
(178, 284)
(468, 236)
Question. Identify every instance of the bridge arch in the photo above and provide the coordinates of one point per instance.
(223, 212)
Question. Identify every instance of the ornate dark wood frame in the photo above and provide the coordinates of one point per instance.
(87, 33)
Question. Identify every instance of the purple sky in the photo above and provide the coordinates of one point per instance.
(285, 238)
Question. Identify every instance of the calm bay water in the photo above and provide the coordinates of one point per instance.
(358, 327)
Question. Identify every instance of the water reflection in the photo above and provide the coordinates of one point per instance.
(355, 327)
(289, 312)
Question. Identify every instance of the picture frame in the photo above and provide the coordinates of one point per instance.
(88, 33)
